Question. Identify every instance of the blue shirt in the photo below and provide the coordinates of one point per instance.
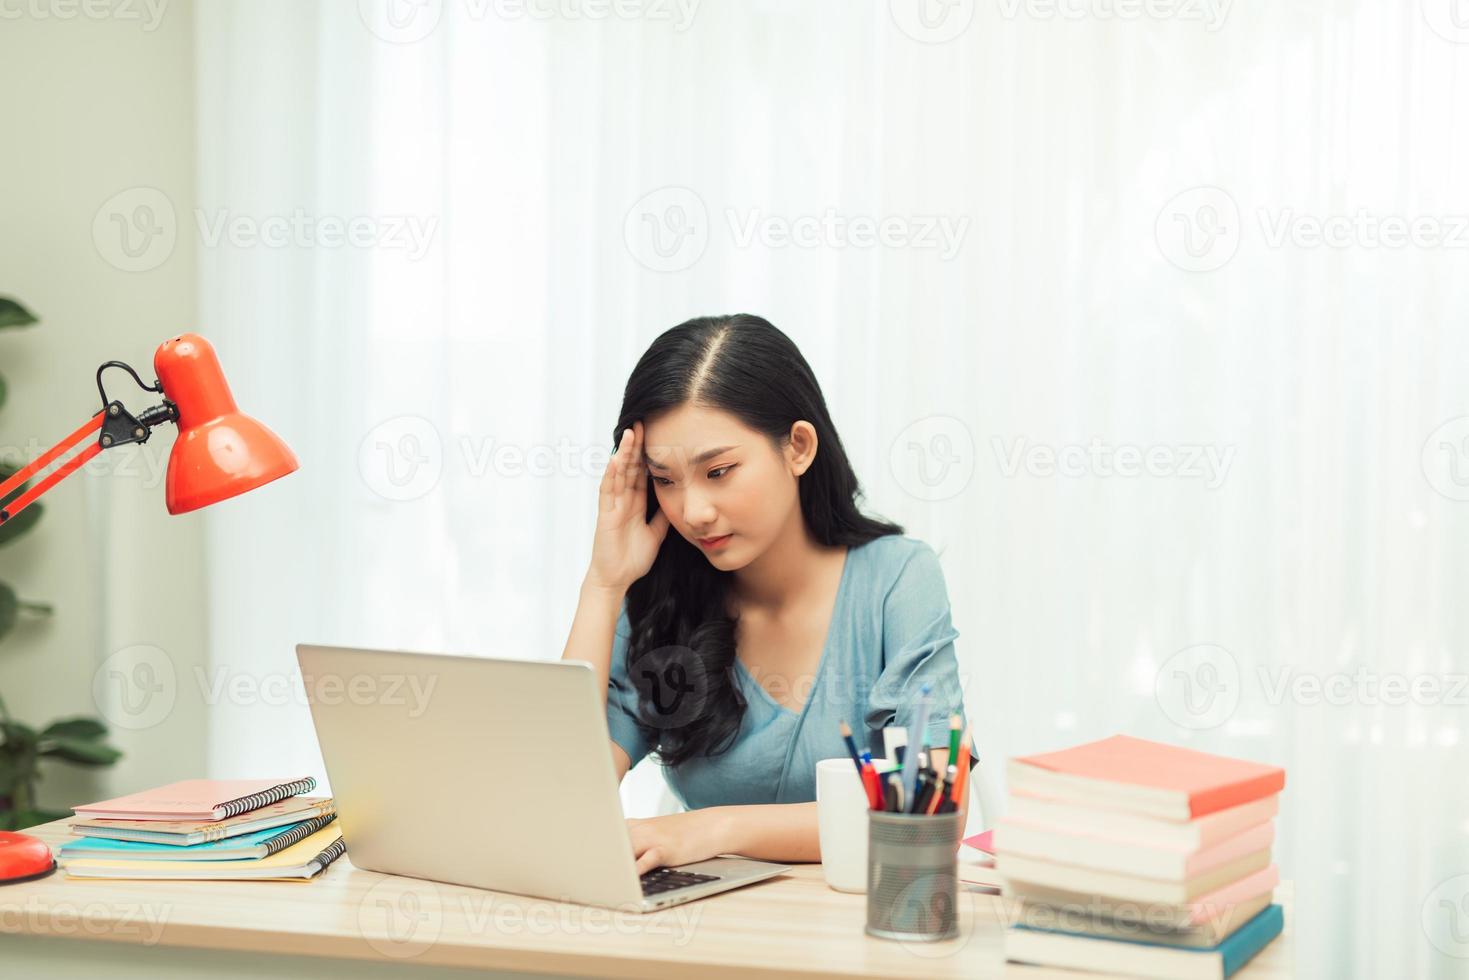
(890, 633)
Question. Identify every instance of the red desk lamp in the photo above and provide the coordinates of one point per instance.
(220, 453)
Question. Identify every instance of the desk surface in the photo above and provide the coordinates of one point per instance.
(790, 925)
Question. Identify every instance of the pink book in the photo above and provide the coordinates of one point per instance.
(197, 799)
(1087, 850)
(1219, 902)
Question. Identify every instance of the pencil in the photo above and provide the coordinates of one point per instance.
(851, 747)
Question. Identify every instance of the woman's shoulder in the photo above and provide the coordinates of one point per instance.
(888, 558)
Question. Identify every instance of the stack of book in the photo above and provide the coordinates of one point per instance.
(236, 829)
(977, 863)
(1134, 857)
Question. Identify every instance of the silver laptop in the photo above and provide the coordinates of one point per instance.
(491, 773)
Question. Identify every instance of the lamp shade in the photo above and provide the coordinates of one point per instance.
(220, 453)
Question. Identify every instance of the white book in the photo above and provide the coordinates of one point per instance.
(1150, 928)
(1118, 825)
(1184, 915)
(1124, 887)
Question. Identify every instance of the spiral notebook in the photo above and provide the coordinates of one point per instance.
(261, 844)
(179, 833)
(301, 861)
(197, 799)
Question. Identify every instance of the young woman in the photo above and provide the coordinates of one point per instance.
(734, 647)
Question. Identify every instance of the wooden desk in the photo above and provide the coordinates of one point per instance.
(365, 925)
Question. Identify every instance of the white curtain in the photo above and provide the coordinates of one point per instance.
(1054, 265)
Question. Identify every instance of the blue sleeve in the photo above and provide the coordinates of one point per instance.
(917, 648)
(622, 697)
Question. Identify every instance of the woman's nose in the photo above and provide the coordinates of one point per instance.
(698, 511)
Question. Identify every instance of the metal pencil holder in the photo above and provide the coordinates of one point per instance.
(912, 875)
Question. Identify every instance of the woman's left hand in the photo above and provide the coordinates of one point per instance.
(678, 838)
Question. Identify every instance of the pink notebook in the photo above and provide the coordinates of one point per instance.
(197, 799)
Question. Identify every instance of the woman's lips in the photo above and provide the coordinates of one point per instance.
(719, 542)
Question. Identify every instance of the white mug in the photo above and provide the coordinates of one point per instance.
(841, 818)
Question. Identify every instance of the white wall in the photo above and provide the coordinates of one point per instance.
(93, 107)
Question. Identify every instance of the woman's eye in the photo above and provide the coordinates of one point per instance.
(717, 472)
(663, 481)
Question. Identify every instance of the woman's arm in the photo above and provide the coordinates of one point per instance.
(773, 832)
(623, 549)
(767, 832)
(592, 630)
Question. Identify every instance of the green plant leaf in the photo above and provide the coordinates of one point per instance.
(3, 391)
(10, 771)
(17, 735)
(21, 523)
(9, 609)
(12, 314)
(80, 727)
(80, 751)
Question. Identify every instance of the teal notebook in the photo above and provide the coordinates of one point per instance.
(1079, 951)
(262, 843)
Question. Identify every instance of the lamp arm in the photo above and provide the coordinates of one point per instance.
(117, 426)
(8, 511)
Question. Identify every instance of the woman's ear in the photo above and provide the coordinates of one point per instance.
(801, 451)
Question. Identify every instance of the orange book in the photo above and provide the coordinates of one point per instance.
(1134, 775)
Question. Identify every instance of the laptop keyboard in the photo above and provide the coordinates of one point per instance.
(661, 880)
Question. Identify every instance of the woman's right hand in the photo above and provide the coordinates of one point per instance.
(625, 545)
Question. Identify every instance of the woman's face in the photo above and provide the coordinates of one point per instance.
(716, 478)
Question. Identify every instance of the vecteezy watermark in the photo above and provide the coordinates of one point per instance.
(1445, 458)
(136, 687)
(1202, 686)
(1129, 920)
(224, 685)
(1362, 229)
(932, 21)
(410, 233)
(147, 13)
(1449, 19)
(1210, 13)
(1362, 686)
(97, 919)
(410, 21)
(403, 917)
(1209, 463)
(933, 458)
(145, 462)
(941, 233)
(668, 230)
(404, 458)
(1445, 916)
(137, 229)
(1200, 229)
(1199, 686)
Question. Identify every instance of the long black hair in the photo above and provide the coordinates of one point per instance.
(681, 652)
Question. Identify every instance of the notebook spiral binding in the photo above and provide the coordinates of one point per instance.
(273, 795)
(220, 833)
(297, 833)
(326, 857)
